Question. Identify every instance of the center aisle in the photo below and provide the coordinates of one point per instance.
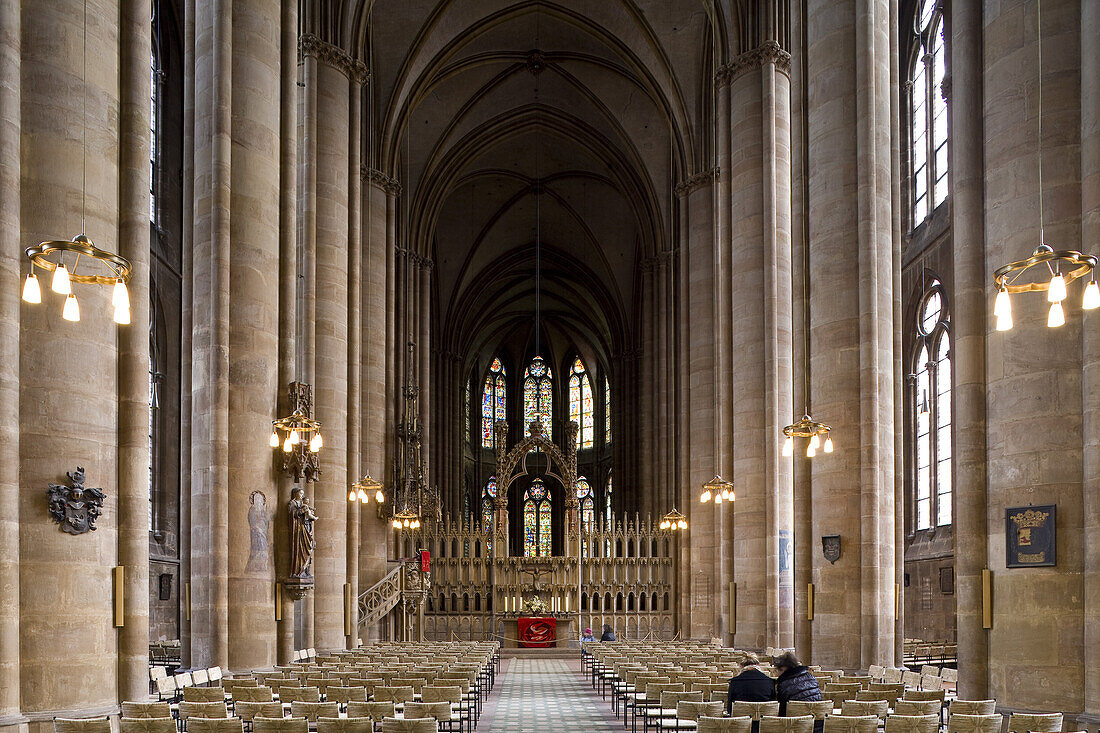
(542, 695)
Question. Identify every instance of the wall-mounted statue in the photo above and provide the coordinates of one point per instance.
(302, 542)
(75, 507)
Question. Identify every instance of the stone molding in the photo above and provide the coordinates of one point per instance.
(389, 184)
(697, 181)
(310, 44)
(768, 52)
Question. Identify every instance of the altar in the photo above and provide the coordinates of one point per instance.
(560, 627)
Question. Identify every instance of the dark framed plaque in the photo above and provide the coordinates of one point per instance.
(165, 582)
(1031, 539)
(947, 581)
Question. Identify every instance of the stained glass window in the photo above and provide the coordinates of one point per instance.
(487, 497)
(930, 435)
(587, 511)
(607, 503)
(581, 410)
(537, 395)
(928, 112)
(466, 411)
(537, 519)
(606, 411)
(494, 402)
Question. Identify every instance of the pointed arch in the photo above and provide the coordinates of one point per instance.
(537, 520)
(581, 408)
(494, 402)
(538, 396)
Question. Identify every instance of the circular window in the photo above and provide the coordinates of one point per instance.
(930, 312)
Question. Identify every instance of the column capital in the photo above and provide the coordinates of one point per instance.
(389, 184)
(768, 52)
(310, 44)
(696, 181)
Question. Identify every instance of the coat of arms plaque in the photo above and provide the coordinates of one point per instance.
(75, 507)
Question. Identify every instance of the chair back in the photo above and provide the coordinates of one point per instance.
(695, 709)
(147, 725)
(398, 695)
(670, 699)
(280, 725)
(299, 694)
(960, 723)
(441, 693)
(203, 694)
(396, 725)
(146, 710)
(81, 725)
(851, 724)
(973, 707)
(910, 679)
(345, 725)
(345, 695)
(931, 682)
(202, 710)
(936, 695)
(439, 711)
(246, 710)
(310, 710)
(917, 707)
(653, 690)
(929, 670)
(856, 679)
(1037, 722)
(913, 724)
(376, 711)
(715, 724)
(856, 708)
(787, 724)
(252, 694)
(892, 675)
(200, 676)
(755, 710)
(819, 709)
(215, 725)
(416, 683)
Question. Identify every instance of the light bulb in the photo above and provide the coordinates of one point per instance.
(1056, 316)
(732, 497)
(404, 523)
(60, 282)
(683, 524)
(351, 495)
(718, 499)
(315, 443)
(122, 316)
(705, 497)
(1002, 306)
(415, 524)
(1004, 322)
(828, 445)
(32, 293)
(379, 496)
(1091, 299)
(788, 446)
(287, 446)
(811, 451)
(1056, 293)
(397, 524)
(664, 524)
(120, 298)
(294, 437)
(71, 312)
(815, 441)
(274, 442)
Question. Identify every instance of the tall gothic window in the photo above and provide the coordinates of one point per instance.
(494, 402)
(537, 515)
(581, 409)
(538, 399)
(488, 495)
(930, 402)
(928, 111)
(607, 503)
(466, 411)
(606, 411)
(587, 511)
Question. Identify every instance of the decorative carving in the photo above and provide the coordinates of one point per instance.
(536, 62)
(302, 543)
(768, 52)
(75, 507)
(301, 462)
(389, 184)
(830, 547)
(310, 44)
(697, 181)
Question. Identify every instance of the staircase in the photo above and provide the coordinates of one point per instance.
(381, 598)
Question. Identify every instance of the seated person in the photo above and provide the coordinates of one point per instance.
(751, 685)
(587, 637)
(608, 633)
(795, 682)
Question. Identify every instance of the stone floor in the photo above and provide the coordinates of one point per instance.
(542, 695)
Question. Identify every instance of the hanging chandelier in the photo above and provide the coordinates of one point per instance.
(718, 489)
(1046, 270)
(105, 268)
(807, 427)
(296, 429)
(406, 519)
(364, 488)
(674, 521)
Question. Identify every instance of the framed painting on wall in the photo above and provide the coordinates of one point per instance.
(1031, 538)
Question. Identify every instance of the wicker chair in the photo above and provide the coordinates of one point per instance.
(299, 694)
(189, 710)
(787, 724)
(440, 712)
(1036, 722)
(917, 707)
(397, 695)
(755, 710)
(820, 709)
(280, 725)
(851, 724)
(973, 707)
(81, 725)
(913, 724)
(215, 725)
(203, 694)
(376, 711)
(252, 694)
(396, 725)
(708, 724)
(856, 708)
(688, 713)
(146, 710)
(147, 725)
(312, 710)
(959, 723)
(345, 725)
(344, 695)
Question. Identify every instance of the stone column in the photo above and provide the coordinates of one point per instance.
(288, 298)
(13, 268)
(647, 427)
(187, 329)
(355, 341)
(424, 362)
(852, 321)
(1090, 237)
(253, 331)
(68, 372)
(133, 357)
(969, 324)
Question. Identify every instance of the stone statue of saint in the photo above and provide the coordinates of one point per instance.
(302, 543)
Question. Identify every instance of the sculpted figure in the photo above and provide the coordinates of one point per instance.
(302, 543)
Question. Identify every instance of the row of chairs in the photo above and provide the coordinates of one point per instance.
(392, 724)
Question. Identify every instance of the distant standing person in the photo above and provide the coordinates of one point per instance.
(795, 682)
(751, 685)
(608, 633)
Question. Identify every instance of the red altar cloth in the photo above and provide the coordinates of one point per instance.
(537, 631)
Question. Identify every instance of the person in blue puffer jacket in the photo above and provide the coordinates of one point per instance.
(795, 682)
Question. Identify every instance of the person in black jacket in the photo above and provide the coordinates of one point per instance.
(608, 633)
(751, 685)
(795, 682)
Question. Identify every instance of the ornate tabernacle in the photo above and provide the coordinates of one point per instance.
(300, 461)
(75, 507)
